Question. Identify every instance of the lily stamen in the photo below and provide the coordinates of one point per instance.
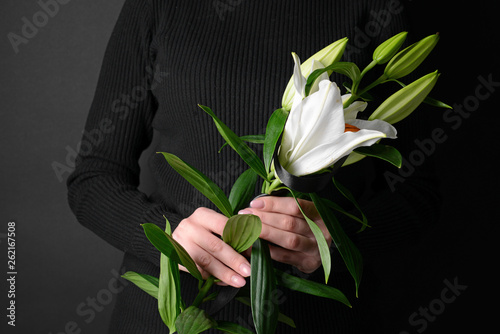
(351, 128)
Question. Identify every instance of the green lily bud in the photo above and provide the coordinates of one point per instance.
(327, 56)
(402, 103)
(410, 58)
(385, 51)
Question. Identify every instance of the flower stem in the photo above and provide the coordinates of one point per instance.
(276, 183)
(203, 291)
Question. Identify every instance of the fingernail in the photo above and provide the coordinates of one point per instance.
(238, 280)
(257, 204)
(244, 212)
(245, 269)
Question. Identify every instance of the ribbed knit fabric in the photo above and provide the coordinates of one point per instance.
(166, 57)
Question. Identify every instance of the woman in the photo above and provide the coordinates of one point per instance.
(166, 57)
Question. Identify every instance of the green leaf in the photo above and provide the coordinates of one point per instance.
(384, 152)
(338, 208)
(348, 195)
(324, 249)
(262, 285)
(201, 182)
(254, 139)
(193, 321)
(349, 69)
(281, 317)
(313, 288)
(243, 190)
(348, 251)
(241, 231)
(274, 129)
(231, 327)
(245, 152)
(169, 291)
(146, 283)
(171, 248)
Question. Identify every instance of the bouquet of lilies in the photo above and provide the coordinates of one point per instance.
(307, 140)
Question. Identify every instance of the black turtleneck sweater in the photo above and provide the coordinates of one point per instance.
(166, 57)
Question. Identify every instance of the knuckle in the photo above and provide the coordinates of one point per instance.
(215, 246)
(200, 212)
(289, 223)
(204, 261)
(293, 242)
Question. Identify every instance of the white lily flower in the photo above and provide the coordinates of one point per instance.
(319, 132)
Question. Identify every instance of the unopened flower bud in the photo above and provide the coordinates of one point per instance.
(385, 51)
(402, 103)
(327, 56)
(410, 58)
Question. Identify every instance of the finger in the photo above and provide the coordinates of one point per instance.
(212, 265)
(289, 240)
(223, 253)
(301, 261)
(211, 220)
(282, 222)
(285, 205)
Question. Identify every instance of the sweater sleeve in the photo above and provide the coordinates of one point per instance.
(102, 190)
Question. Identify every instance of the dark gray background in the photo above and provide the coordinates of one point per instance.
(46, 91)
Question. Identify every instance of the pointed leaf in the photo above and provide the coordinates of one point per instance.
(231, 327)
(262, 284)
(201, 182)
(243, 190)
(384, 152)
(194, 320)
(245, 152)
(348, 195)
(171, 248)
(313, 288)
(146, 283)
(324, 249)
(338, 208)
(169, 291)
(349, 252)
(241, 231)
(254, 139)
(349, 69)
(281, 317)
(274, 129)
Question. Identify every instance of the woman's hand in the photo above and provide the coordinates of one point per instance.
(212, 255)
(284, 225)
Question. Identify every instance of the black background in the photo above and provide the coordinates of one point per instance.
(47, 88)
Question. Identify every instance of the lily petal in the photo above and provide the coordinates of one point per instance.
(299, 80)
(351, 112)
(326, 155)
(321, 121)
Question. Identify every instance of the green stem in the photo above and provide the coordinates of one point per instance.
(381, 79)
(203, 291)
(355, 85)
(276, 183)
